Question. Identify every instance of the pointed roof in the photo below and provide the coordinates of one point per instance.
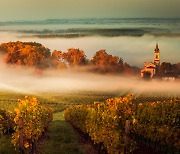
(157, 48)
(150, 65)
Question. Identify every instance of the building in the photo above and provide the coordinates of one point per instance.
(151, 68)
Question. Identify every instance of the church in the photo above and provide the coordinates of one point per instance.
(152, 67)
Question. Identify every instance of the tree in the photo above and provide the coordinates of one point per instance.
(121, 62)
(106, 63)
(176, 68)
(127, 69)
(75, 57)
(62, 66)
(164, 68)
(24, 53)
(55, 58)
(56, 54)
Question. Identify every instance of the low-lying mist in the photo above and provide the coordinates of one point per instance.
(133, 50)
(27, 80)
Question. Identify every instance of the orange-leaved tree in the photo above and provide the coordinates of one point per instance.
(24, 53)
(75, 57)
(105, 62)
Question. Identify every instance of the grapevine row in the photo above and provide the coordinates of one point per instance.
(29, 122)
(105, 122)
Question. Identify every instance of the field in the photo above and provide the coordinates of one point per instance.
(60, 133)
(61, 101)
(57, 101)
(61, 136)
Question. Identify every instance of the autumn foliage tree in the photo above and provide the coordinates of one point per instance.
(56, 54)
(106, 63)
(24, 53)
(55, 58)
(75, 57)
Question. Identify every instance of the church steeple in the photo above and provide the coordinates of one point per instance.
(157, 48)
(157, 55)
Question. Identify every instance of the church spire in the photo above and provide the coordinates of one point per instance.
(156, 45)
(157, 48)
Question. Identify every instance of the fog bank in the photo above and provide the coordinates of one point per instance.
(133, 50)
(26, 80)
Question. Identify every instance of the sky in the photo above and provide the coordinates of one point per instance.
(57, 9)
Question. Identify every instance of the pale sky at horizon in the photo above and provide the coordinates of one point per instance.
(46, 9)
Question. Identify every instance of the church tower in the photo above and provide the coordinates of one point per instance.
(157, 55)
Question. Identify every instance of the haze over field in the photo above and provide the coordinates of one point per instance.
(25, 80)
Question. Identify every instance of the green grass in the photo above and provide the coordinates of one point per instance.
(6, 147)
(61, 138)
(57, 101)
(8, 100)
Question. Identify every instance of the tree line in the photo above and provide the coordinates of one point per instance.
(168, 68)
(36, 55)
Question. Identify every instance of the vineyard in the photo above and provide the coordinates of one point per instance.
(27, 124)
(28, 119)
(57, 101)
(116, 125)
